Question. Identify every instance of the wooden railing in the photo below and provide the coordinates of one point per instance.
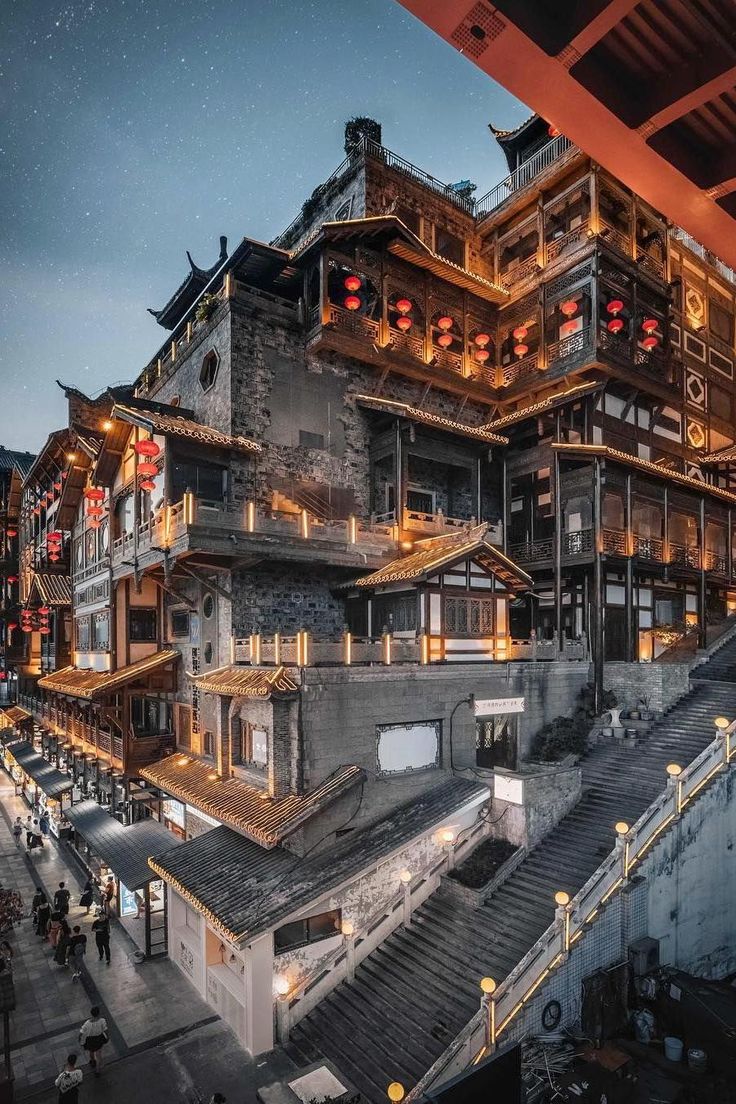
(572, 922)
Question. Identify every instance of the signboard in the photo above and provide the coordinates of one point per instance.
(128, 903)
(508, 788)
(175, 811)
(490, 707)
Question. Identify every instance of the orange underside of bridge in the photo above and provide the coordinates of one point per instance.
(547, 87)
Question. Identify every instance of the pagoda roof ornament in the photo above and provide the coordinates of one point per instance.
(188, 291)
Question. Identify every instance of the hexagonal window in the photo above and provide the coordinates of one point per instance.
(208, 371)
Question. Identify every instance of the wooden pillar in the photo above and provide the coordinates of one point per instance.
(598, 595)
(631, 622)
(504, 505)
(729, 550)
(398, 475)
(558, 552)
(479, 489)
(666, 539)
(702, 642)
(324, 297)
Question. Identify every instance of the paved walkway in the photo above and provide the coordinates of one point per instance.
(147, 1006)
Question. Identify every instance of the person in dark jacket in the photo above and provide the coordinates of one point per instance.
(61, 955)
(43, 916)
(61, 899)
(85, 901)
(101, 928)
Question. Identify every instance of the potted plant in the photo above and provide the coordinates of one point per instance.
(634, 714)
(645, 702)
(206, 307)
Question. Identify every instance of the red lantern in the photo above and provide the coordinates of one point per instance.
(11, 533)
(147, 485)
(44, 630)
(482, 355)
(27, 628)
(12, 579)
(569, 308)
(444, 340)
(650, 342)
(57, 485)
(95, 511)
(2, 676)
(614, 306)
(147, 469)
(403, 306)
(403, 323)
(43, 611)
(352, 283)
(54, 557)
(55, 537)
(352, 302)
(520, 333)
(553, 131)
(482, 339)
(94, 494)
(649, 325)
(569, 327)
(616, 325)
(95, 523)
(444, 323)
(521, 350)
(12, 626)
(147, 448)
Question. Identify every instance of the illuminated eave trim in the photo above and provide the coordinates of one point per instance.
(606, 452)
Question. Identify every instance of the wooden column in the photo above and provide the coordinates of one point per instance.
(504, 505)
(598, 595)
(701, 595)
(631, 622)
(666, 539)
(479, 489)
(558, 552)
(729, 548)
(398, 475)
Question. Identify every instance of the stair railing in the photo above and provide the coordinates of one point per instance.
(572, 921)
(358, 943)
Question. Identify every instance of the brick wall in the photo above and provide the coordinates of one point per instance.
(286, 598)
(663, 683)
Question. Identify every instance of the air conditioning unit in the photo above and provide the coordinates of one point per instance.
(644, 956)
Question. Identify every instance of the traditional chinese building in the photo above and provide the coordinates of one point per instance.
(13, 469)
(361, 525)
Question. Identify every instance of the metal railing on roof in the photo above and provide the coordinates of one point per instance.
(695, 247)
(522, 176)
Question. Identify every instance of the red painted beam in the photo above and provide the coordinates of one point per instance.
(542, 82)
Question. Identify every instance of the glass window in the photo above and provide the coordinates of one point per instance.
(142, 626)
(209, 744)
(101, 631)
(720, 321)
(310, 930)
(180, 623)
(206, 481)
(82, 633)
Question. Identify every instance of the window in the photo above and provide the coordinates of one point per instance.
(151, 716)
(449, 246)
(208, 606)
(250, 743)
(721, 321)
(401, 748)
(83, 633)
(124, 515)
(496, 741)
(311, 440)
(206, 481)
(310, 930)
(191, 918)
(101, 631)
(208, 371)
(142, 626)
(208, 744)
(180, 624)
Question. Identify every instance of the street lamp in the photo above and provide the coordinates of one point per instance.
(395, 1092)
(488, 1008)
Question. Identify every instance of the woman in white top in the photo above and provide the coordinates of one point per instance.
(93, 1036)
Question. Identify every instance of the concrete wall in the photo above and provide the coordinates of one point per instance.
(549, 792)
(663, 683)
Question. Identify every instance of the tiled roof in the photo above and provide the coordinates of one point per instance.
(9, 460)
(246, 682)
(54, 590)
(723, 456)
(81, 682)
(423, 256)
(547, 403)
(266, 820)
(47, 778)
(174, 425)
(244, 890)
(440, 551)
(403, 410)
(605, 452)
(16, 714)
(125, 850)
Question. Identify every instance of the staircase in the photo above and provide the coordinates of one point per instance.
(413, 995)
(721, 667)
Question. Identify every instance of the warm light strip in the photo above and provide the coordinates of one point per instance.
(703, 782)
(605, 451)
(611, 891)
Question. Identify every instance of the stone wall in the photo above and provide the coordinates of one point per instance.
(549, 792)
(662, 683)
(286, 598)
(212, 407)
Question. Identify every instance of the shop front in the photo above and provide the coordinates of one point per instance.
(44, 787)
(117, 855)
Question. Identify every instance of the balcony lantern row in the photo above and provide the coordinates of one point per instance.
(94, 497)
(149, 450)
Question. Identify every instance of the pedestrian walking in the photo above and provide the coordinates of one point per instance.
(38, 897)
(17, 831)
(77, 951)
(29, 834)
(108, 893)
(93, 1035)
(55, 928)
(101, 928)
(61, 899)
(44, 823)
(61, 955)
(68, 1081)
(43, 916)
(85, 901)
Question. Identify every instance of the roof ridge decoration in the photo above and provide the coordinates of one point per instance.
(542, 404)
(235, 680)
(606, 452)
(176, 425)
(414, 413)
(84, 682)
(188, 290)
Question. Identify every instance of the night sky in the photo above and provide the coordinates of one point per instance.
(135, 129)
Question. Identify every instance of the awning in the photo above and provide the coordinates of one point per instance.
(125, 850)
(435, 421)
(439, 552)
(17, 714)
(246, 682)
(176, 425)
(266, 820)
(54, 590)
(560, 398)
(47, 778)
(82, 682)
(244, 890)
